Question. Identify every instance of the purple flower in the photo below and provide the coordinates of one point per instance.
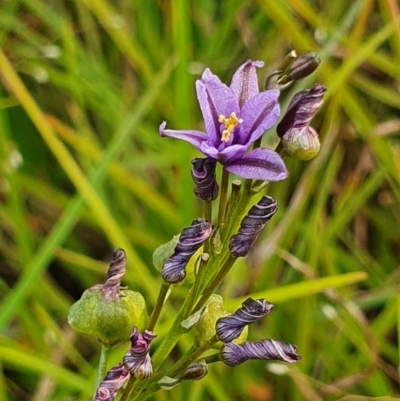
(234, 354)
(137, 360)
(235, 117)
(114, 380)
(190, 240)
(230, 327)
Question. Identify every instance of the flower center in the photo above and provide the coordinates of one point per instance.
(230, 124)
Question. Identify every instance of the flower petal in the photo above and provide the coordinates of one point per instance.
(259, 114)
(245, 82)
(260, 164)
(215, 98)
(193, 137)
(232, 152)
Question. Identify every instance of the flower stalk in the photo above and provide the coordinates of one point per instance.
(102, 369)
(223, 197)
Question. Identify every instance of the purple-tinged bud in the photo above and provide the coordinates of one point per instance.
(234, 354)
(137, 360)
(195, 371)
(252, 224)
(203, 175)
(299, 140)
(145, 370)
(114, 380)
(190, 240)
(230, 327)
(304, 65)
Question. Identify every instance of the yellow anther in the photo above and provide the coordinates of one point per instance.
(230, 124)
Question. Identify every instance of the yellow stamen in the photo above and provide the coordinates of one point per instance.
(230, 124)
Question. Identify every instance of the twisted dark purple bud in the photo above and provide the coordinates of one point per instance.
(137, 360)
(252, 224)
(234, 354)
(115, 273)
(230, 327)
(298, 138)
(190, 240)
(114, 380)
(203, 175)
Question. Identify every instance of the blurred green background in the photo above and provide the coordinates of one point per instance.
(84, 87)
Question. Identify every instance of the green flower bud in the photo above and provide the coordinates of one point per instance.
(205, 328)
(109, 321)
(301, 144)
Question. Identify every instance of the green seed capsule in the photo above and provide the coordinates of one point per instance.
(109, 321)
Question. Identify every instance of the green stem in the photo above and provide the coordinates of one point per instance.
(128, 389)
(212, 358)
(191, 356)
(155, 314)
(175, 331)
(201, 264)
(208, 217)
(223, 196)
(212, 286)
(232, 207)
(208, 211)
(102, 370)
(241, 209)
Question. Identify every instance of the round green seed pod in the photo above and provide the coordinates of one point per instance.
(109, 321)
(205, 328)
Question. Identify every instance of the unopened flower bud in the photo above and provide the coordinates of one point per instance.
(137, 360)
(298, 139)
(252, 224)
(114, 380)
(190, 240)
(230, 327)
(203, 175)
(292, 69)
(234, 354)
(195, 371)
(107, 312)
(304, 65)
